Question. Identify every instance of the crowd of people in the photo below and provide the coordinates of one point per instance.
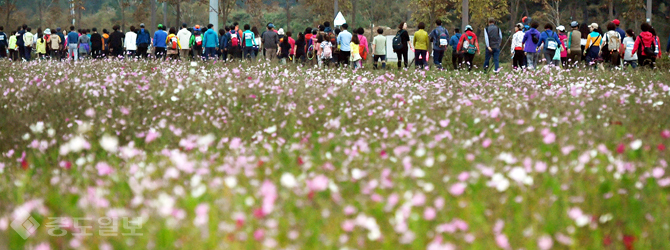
(324, 46)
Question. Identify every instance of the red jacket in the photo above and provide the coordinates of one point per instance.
(646, 38)
(465, 37)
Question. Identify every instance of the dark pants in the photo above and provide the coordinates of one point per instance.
(495, 53)
(118, 51)
(574, 57)
(549, 56)
(210, 52)
(456, 59)
(648, 61)
(3, 52)
(197, 53)
(142, 50)
(420, 58)
(376, 58)
(300, 55)
(249, 53)
(614, 58)
(344, 57)
(160, 52)
(21, 53)
(26, 52)
(632, 63)
(96, 52)
(438, 55)
(14, 54)
(517, 60)
(402, 54)
(469, 60)
(55, 54)
(224, 55)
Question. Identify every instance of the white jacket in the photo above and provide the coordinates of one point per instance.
(130, 42)
(184, 37)
(517, 40)
(28, 39)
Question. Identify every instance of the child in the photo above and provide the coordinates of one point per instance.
(326, 49)
(355, 51)
(13, 49)
(173, 47)
(41, 47)
(627, 48)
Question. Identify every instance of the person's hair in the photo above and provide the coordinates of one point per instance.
(71, 28)
(457, 30)
(222, 32)
(337, 31)
(232, 27)
(104, 31)
(132, 28)
(289, 34)
(322, 28)
(285, 40)
(652, 31)
(401, 26)
(380, 31)
(236, 24)
(183, 25)
(584, 29)
(301, 37)
(227, 28)
(18, 29)
(83, 32)
(345, 26)
(96, 29)
(204, 30)
(29, 29)
(39, 31)
(326, 38)
(246, 27)
(630, 33)
(645, 27)
(548, 26)
(116, 27)
(326, 24)
(360, 31)
(354, 39)
(2, 28)
(422, 25)
(13, 33)
(255, 31)
(308, 30)
(438, 22)
(314, 31)
(599, 30)
(534, 24)
(25, 26)
(173, 30)
(611, 26)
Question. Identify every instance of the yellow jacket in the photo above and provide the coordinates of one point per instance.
(355, 48)
(421, 40)
(169, 44)
(41, 46)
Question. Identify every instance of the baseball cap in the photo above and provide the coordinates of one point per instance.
(468, 27)
(197, 27)
(593, 26)
(141, 25)
(560, 28)
(519, 25)
(616, 22)
(270, 25)
(574, 24)
(160, 25)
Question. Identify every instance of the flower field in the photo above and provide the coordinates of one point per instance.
(146, 155)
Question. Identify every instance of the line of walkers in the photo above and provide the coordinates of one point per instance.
(325, 46)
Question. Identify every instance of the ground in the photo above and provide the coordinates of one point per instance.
(216, 156)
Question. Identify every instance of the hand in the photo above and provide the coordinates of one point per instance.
(490, 50)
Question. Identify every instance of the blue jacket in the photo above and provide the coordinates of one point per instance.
(159, 39)
(210, 39)
(3, 40)
(453, 42)
(435, 35)
(72, 37)
(143, 37)
(223, 41)
(545, 35)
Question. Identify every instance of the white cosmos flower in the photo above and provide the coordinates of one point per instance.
(205, 140)
(287, 180)
(51, 132)
(174, 98)
(271, 130)
(109, 143)
(230, 181)
(518, 174)
(635, 145)
(76, 144)
(357, 174)
(37, 128)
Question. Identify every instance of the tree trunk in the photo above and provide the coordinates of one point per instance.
(611, 10)
(178, 24)
(353, 14)
(465, 13)
(164, 13)
(649, 11)
(123, 15)
(8, 5)
(288, 15)
(153, 14)
(223, 10)
(514, 12)
(39, 10)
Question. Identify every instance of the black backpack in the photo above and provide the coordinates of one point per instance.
(648, 51)
(397, 41)
(536, 38)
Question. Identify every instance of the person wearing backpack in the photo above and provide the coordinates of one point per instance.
(401, 45)
(143, 40)
(657, 50)
(629, 58)
(531, 41)
(612, 45)
(224, 40)
(550, 43)
(493, 39)
(83, 45)
(421, 44)
(379, 49)
(173, 47)
(645, 46)
(344, 42)
(211, 42)
(564, 41)
(456, 56)
(196, 43)
(593, 41)
(469, 46)
(249, 43)
(234, 45)
(54, 44)
(159, 42)
(574, 47)
(184, 41)
(439, 37)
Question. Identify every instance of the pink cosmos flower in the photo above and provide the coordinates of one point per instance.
(457, 189)
(318, 183)
(429, 213)
(486, 143)
(545, 242)
(104, 168)
(502, 241)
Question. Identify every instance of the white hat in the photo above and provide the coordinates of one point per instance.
(280, 31)
(560, 28)
(47, 32)
(594, 26)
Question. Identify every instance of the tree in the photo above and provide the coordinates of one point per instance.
(481, 10)
(255, 9)
(225, 7)
(428, 11)
(41, 6)
(8, 7)
(123, 4)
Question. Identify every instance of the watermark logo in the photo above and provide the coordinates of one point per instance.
(25, 227)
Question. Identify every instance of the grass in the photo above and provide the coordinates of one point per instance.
(251, 156)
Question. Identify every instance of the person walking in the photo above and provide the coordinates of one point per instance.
(13, 48)
(355, 51)
(184, 41)
(249, 42)
(621, 32)
(83, 45)
(224, 39)
(299, 49)
(469, 46)
(41, 47)
(72, 39)
(421, 44)
(364, 46)
(629, 58)
(116, 42)
(564, 40)
(96, 44)
(517, 47)
(439, 37)
(270, 39)
(344, 42)
(574, 47)
(549, 44)
(493, 38)
(54, 44)
(592, 49)
(130, 42)
(531, 41)
(105, 43)
(159, 42)
(379, 49)
(645, 46)
(3, 42)
(28, 40)
(172, 42)
(234, 47)
(401, 45)
(211, 42)
(196, 42)
(456, 55)
(612, 45)
(19, 40)
(143, 41)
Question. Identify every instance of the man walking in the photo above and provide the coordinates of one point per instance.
(72, 39)
(143, 41)
(456, 56)
(344, 40)
(270, 40)
(211, 42)
(439, 37)
(184, 37)
(159, 42)
(116, 42)
(96, 44)
(493, 38)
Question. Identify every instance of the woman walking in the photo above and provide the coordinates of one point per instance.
(402, 49)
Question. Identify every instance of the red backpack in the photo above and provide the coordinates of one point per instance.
(235, 40)
(198, 40)
(174, 42)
